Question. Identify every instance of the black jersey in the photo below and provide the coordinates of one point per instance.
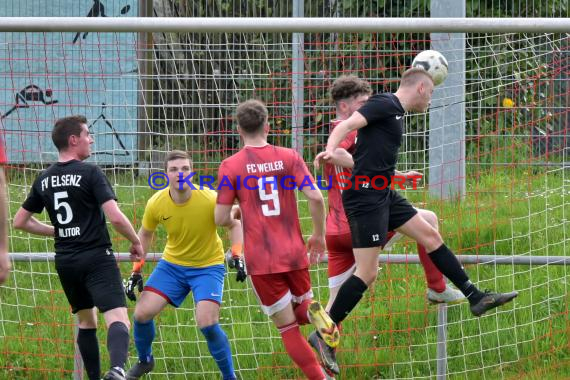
(377, 146)
(72, 193)
(378, 143)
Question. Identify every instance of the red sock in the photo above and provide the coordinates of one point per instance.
(300, 310)
(299, 350)
(434, 277)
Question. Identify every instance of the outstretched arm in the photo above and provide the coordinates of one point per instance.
(340, 157)
(354, 122)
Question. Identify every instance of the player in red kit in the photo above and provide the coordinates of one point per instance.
(263, 177)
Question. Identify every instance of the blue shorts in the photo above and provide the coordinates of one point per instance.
(174, 282)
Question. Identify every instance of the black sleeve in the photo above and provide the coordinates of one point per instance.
(102, 188)
(377, 107)
(34, 202)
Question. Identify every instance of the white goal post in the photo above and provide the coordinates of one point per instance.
(285, 25)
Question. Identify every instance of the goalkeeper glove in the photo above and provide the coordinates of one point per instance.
(240, 268)
(135, 281)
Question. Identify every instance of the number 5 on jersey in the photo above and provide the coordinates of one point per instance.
(57, 204)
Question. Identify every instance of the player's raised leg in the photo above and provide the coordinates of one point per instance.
(354, 287)
(419, 230)
(366, 242)
(438, 290)
(341, 263)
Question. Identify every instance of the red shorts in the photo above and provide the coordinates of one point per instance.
(277, 290)
(341, 258)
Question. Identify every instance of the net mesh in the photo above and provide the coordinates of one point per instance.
(180, 93)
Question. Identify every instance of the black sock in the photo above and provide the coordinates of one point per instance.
(118, 344)
(448, 264)
(89, 348)
(347, 298)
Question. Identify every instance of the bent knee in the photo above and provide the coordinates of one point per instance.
(430, 217)
(117, 315)
(86, 319)
(126, 322)
(87, 324)
(206, 320)
(367, 274)
(142, 316)
(433, 241)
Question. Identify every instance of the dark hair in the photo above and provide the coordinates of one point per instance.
(348, 86)
(251, 116)
(175, 155)
(65, 127)
(412, 76)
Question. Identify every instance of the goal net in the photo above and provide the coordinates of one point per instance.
(180, 93)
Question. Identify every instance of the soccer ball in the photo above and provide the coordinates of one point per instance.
(434, 63)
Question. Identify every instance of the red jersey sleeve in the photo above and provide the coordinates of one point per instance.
(226, 185)
(349, 142)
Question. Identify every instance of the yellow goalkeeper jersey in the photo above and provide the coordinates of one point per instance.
(192, 237)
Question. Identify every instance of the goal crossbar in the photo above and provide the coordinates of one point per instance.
(284, 25)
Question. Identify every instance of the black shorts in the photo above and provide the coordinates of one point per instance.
(91, 278)
(370, 221)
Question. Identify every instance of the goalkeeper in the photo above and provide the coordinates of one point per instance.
(192, 261)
